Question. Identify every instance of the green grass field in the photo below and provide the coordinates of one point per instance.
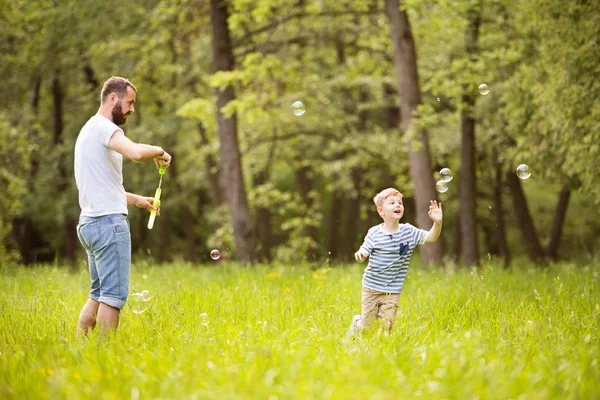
(224, 332)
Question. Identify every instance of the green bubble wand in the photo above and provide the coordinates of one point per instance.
(156, 201)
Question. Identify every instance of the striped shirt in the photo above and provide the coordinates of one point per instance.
(390, 255)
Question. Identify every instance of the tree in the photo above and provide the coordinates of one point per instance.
(405, 62)
(232, 173)
(468, 187)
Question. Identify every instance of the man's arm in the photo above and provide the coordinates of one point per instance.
(142, 202)
(137, 152)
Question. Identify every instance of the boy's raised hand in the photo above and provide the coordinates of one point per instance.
(435, 211)
(361, 255)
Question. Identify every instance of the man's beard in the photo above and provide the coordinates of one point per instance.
(117, 115)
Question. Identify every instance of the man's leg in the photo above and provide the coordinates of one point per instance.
(87, 317)
(108, 318)
(113, 259)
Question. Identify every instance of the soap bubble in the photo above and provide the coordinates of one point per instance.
(441, 186)
(484, 89)
(523, 171)
(298, 108)
(204, 320)
(446, 174)
(139, 302)
(215, 254)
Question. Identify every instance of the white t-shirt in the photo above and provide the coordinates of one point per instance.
(99, 170)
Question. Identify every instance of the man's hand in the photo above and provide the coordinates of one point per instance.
(163, 161)
(435, 211)
(361, 255)
(147, 203)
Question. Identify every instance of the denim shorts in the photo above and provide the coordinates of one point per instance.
(107, 242)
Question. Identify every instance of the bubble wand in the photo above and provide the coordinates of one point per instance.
(156, 201)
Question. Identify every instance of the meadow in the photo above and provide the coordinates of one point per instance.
(223, 331)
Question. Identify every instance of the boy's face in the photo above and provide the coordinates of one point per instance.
(392, 208)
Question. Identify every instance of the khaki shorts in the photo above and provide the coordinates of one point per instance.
(378, 305)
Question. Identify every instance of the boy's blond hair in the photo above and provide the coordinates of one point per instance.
(384, 194)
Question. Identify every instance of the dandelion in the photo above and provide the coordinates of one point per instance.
(273, 275)
(286, 290)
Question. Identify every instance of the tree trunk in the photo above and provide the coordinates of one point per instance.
(23, 231)
(69, 224)
(457, 244)
(186, 226)
(350, 232)
(233, 177)
(212, 171)
(392, 113)
(468, 193)
(305, 187)
(264, 232)
(264, 229)
(335, 214)
(405, 62)
(90, 77)
(501, 241)
(468, 188)
(524, 220)
(558, 223)
(349, 235)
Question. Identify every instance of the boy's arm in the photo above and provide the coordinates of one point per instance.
(365, 249)
(436, 215)
(434, 232)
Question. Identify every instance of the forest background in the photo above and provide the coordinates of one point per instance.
(391, 96)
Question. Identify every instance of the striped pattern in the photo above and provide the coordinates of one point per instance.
(390, 255)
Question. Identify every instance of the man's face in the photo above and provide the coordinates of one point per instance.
(123, 107)
(392, 208)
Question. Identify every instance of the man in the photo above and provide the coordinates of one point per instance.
(103, 228)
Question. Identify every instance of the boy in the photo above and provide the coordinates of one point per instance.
(390, 246)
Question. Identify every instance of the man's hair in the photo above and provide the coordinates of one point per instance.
(384, 194)
(117, 85)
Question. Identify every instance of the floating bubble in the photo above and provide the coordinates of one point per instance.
(523, 171)
(446, 174)
(441, 186)
(484, 89)
(215, 254)
(298, 108)
(204, 321)
(139, 302)
(438, 99)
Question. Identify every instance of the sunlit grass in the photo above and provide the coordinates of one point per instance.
(225, 331)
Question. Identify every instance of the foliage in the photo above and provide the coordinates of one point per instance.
(14, 171)
(539, 58)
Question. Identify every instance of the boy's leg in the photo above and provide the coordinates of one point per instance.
(369, 308)
(388, 310)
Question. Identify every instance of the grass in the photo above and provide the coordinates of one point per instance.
(223, 331)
